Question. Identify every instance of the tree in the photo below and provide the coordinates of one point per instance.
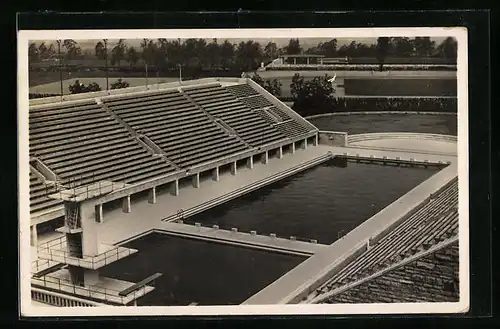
(213, 53)
(100, 51)
(424, 46)
(402, 46)
(118, 52)
(132, 56)
(297, 85)
(249, 55)
(33, 54)
(312, 96)
(271, 51)
(73, 51)
(293, 47)
(382, 50)
(328, 49)
(227, 54)
(120, 84)
(448, 48)
(271, 85)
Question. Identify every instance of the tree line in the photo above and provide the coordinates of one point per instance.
(245, 55)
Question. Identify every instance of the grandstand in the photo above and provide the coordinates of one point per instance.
(142, 138)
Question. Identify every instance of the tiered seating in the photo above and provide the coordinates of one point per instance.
(256, 102)
(431, 278)
(279, 113)
(433, 223)
(39, 202)
(292, 128)
(221, 104)
(265, 115)
(184, 132)
(242, 90)
(81, 143)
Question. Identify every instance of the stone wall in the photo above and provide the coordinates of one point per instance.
(433, 278)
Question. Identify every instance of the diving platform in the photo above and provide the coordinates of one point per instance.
(56, 250)
(82, 193)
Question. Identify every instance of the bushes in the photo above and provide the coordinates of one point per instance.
(354, 104)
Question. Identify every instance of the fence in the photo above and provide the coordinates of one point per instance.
(54, 251)
(89, 291)
(60, 300)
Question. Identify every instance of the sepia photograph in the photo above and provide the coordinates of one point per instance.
(297, 171)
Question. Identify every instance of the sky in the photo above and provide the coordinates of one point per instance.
(305, 42)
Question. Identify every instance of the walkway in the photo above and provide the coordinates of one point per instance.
(241, 238)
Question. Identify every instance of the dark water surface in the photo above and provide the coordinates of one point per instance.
(321, 203)
(376, 123)
(199, 272)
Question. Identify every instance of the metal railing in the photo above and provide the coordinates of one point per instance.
(54, 250)
(89, 291)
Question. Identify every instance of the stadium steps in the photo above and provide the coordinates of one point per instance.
(212, 118)
(219, 102)
(172, 121)
(81, 142)
(154, 149)
(242, 90)
(39, 191)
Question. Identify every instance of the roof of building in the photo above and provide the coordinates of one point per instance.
(302, 56)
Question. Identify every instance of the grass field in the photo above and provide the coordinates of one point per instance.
(400, 87)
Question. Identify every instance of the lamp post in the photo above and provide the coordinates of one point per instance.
(60, 65)
(180, 72)
(106, 62)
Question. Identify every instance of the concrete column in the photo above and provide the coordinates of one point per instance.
(315, 142)
(126, 204)
(196, 180)
(33, 235)
(215, 174)
(295, 60)
(292, 148)
(265, 157)
(99, 217)
(304, 144)
(152, 195)
(89, 226)
(90, 277)
(307, 60)
(174, 188)
(250, 162)
(280, 152)
(234, 168)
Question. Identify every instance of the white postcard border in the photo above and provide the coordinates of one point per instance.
(28, 310)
